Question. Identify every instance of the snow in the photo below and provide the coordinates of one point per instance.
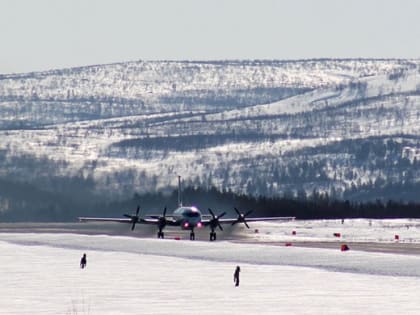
(141, 275)
(352, 230)
(77, 115)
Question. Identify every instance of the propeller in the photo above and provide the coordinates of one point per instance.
(241, 217)
(214, 222)
(134, 218)
(161, 219)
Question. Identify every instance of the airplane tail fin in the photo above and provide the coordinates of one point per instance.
(179, 192)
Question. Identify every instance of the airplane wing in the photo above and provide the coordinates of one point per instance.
(233, 220)
(91, 219)
(133, 219)
(149, 220)
(120, 220)
(146, 220)
(216, 221)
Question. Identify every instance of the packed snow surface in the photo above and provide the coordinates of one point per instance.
(130, 275)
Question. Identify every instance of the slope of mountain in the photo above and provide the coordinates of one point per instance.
(349, 128)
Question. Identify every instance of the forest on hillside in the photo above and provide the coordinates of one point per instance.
(37, 205)
(76, 140)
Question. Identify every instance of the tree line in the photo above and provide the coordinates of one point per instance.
(25, 203)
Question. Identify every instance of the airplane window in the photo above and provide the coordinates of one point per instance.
(192, 214)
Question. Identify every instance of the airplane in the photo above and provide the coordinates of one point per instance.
(186, 217)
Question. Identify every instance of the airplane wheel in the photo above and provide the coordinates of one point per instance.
(160, 234)
(212, 236)
(192, 236)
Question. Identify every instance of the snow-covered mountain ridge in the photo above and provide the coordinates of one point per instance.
(259, 127)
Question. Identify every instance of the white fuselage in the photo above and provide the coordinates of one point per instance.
(187, 217)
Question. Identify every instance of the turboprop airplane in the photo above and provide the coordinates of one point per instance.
(186, 217)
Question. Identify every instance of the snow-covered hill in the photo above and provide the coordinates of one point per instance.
(259, 127)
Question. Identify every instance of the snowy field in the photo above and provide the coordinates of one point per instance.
(40, 272)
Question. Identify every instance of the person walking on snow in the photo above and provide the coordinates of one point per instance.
(236, 276)
(83, 261)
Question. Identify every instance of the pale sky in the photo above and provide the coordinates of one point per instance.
(49, 34)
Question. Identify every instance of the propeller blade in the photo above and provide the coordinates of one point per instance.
(138, 210)
(164, 212)
(241, 217)
(218, 223)
(245, 215)
(127, 216)
(133, 226)
(214, 222)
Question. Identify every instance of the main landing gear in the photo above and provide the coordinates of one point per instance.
(160, 234)
(214, 224)
(192, 236)
(212, 236)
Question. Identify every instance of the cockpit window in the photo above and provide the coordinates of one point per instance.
(192, 214)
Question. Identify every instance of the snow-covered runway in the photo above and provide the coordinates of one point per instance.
(125, 275)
